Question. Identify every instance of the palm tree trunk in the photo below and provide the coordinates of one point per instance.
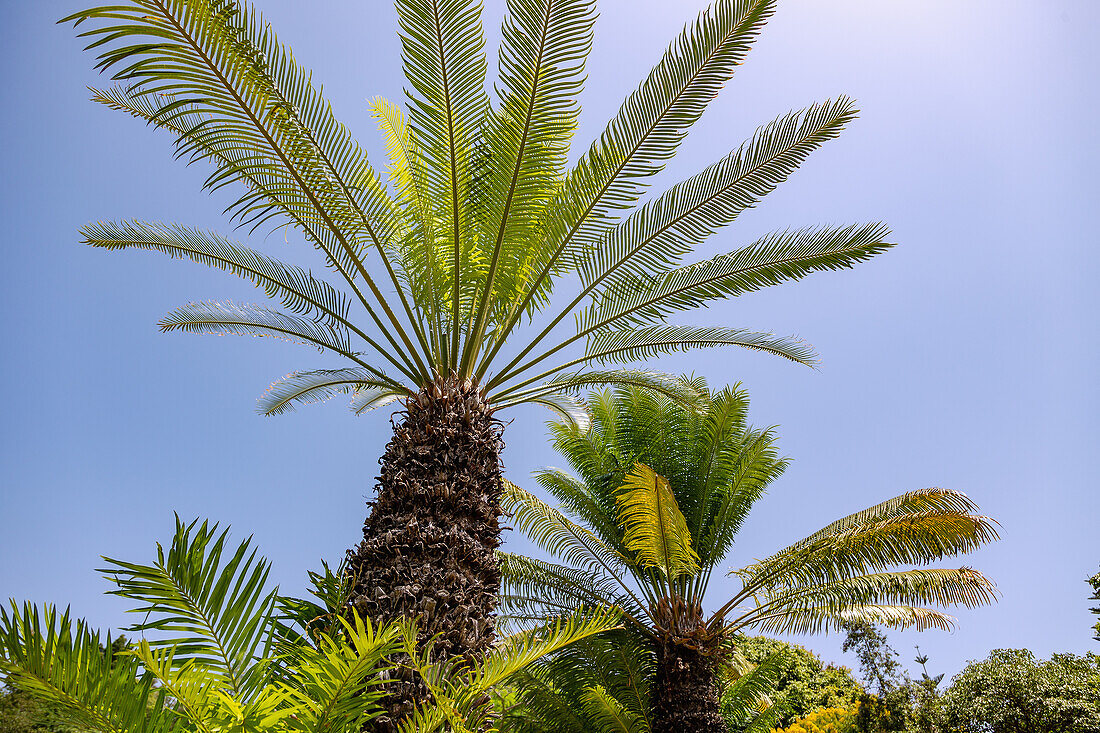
(429, 542)
(685, 692)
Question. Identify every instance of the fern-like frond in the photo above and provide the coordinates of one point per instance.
(815, 620)
(49, 655)
(621, 346)
(914, 538)
(335, 684)
(938, 500)
(644, 134)
(324, 384)
(513, 653)
(769, 261)
(443, 50)
(544, 46)
(240, 319)
(609, 714)
(211, 607)
(656, 236)
(830, 602)
(654, 528)
(553, 532)
(216, 75)
(573, 382)
(748, 694)
(569, 408)
(535, 589)
(296, 288)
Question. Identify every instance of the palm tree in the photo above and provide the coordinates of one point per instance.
(661, 491)
(447, 269)
(219, 650)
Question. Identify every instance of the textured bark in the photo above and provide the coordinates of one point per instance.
(685, 693)
(429, 542)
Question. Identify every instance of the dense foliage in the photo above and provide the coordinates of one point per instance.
(219, 651)
(803, 684)
(1013, 692)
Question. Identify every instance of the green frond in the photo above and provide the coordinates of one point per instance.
(769, 261)
(542, 55)
(942, 501)
(217, 72)
(49, 655)
(646, 132)
(830, 602)
(615, 346)
(194, 690)
(656, 236)
(443, 50)
(569, 408)
(553, 690)
(513, 653)
(216, 76)
(323, 384)
(240, 319)
(536, 590)
(813, 620)
(296, 288)
(655, 529)
(553, 532)
(335, 685)
(747, 694)
(573, 382)
(610, 714)
(210, 607)
(918, 538)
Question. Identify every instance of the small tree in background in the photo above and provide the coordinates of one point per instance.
(887, 704)
(1094, 581)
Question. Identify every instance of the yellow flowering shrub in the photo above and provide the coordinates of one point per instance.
(826, 720)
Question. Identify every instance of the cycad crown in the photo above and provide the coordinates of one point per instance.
(480, 215)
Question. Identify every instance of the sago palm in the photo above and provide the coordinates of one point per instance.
(661, 491)
(483, 270)
(219, 651)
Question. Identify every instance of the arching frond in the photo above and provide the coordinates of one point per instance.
(748, 693)
(646, 132)
(296, 288)
(335, 684)
(914, 538)
(814, 620)
(555, 533)
(49, 655)
(943, 501)
(553, 690)
(657, 235)
(567, 407)
(615, 346)
(521, 649)
(536, 590)
(210, 607)
(769, 261)
(609, 714)
(323, 384)
(573, 382)
(654, 527)
(829, 602)
(213, 317)
(216, 72)
(544, 46)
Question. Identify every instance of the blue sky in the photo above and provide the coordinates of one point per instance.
(966, 357)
